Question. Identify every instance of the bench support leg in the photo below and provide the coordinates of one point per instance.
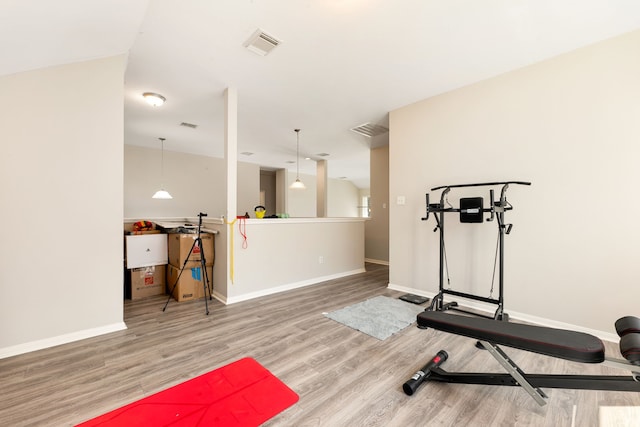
(516, 373)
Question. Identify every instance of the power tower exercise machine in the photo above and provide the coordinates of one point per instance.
(472, 210)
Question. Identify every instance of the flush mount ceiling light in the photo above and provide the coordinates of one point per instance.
(154, 99)
(297, 185)
(162, 193)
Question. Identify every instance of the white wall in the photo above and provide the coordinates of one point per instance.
(301, 203)
(248, 190)
(342, 199)
(62, 200)
(196, 183)
(377, 228)
(283, 254)
(569, 125)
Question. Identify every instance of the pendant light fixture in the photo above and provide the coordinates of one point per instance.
(162, 193)
(297, 185)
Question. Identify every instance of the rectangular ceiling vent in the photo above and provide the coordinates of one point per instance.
(370, 129)
(188, 125)
(261, 43)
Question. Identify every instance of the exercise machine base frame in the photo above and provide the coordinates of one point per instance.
(560, 343)
(533, 383)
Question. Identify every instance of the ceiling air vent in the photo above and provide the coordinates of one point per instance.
(261, 43)
(370, 129)
(188, 125)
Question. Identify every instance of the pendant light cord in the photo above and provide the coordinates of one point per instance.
(162, 163)
(297, 154)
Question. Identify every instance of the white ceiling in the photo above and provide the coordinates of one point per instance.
(341, 63)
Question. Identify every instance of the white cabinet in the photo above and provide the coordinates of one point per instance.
(146, 250)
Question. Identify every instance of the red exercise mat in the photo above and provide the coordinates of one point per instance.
(242, 393)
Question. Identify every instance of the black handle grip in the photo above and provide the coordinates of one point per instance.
(423, 374)
(426, 217)
(492, 204)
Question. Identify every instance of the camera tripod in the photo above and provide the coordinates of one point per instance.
(203, 264)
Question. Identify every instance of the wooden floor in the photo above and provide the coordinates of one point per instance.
(343, 377)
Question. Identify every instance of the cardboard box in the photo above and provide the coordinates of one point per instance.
(190, 286)
(180, 245)
(147, 281)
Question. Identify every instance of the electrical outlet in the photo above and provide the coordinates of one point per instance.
(320, 259)
(400, 200)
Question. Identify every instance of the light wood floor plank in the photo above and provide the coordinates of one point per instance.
(343, 377)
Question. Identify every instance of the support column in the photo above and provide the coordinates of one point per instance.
(231, 157)
(321, 188)
(282, 191)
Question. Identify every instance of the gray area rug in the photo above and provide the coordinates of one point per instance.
(379, 317)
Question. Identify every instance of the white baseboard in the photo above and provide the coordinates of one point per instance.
(376, 261)
(217, 295)
(60, 339)
(490, 309)
(287, 287)
(410, 290)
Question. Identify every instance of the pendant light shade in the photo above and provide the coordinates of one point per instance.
(162, 193)
(297, 185)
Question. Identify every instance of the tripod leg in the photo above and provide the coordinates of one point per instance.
(208, 283)
(203, 264)
(186, 260)
(205, 280)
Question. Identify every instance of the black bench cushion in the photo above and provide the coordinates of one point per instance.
(561, 343)
(627, 325)
(630, 347)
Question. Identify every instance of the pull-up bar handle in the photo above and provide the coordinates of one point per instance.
(503, 192)
(492, 205)
(426, 217)
(444, 193)
(482, 184)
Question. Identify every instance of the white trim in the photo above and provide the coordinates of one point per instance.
(312, 220)
(60, 339)
(287, 287)
(376, 261)
(410, 290)
(212, 220)
(606, 336)
(489, 308)
(217, 295)
(177, 220)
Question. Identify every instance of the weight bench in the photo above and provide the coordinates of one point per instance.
(564, 344)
